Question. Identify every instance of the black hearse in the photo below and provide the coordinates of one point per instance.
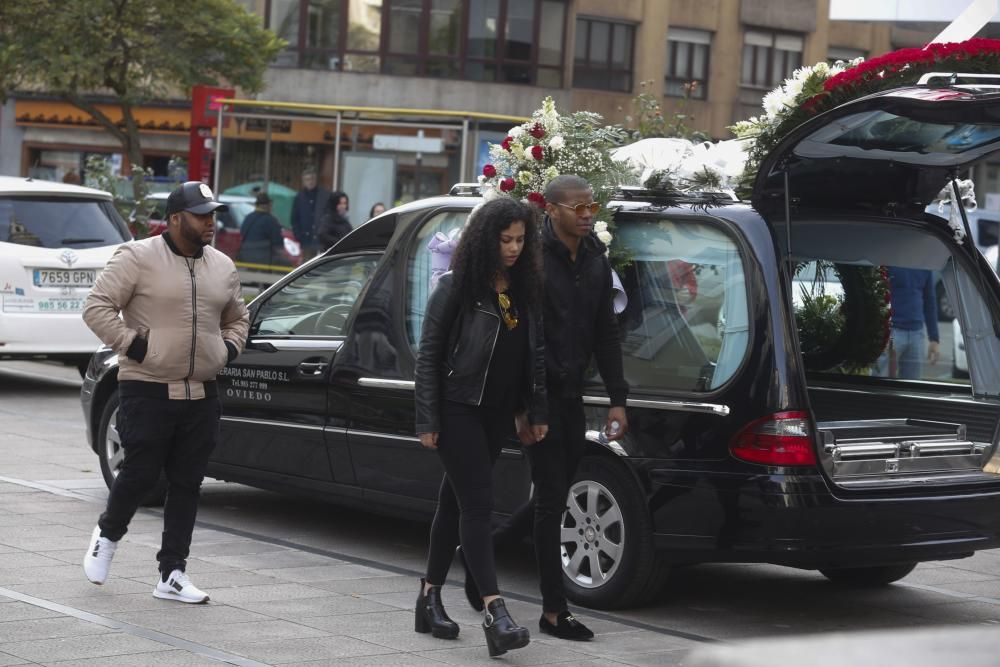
(742, 448)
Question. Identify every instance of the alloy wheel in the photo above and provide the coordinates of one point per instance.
(592, 535)
(113, 452)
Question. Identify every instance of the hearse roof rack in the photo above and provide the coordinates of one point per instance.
(971, 81)
(631, 193)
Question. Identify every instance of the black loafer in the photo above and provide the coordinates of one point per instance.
(566, 627)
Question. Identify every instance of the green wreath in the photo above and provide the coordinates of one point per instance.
(847, 332)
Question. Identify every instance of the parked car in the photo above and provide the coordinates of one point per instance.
(738, 449)
(54, 240)
(228, 223)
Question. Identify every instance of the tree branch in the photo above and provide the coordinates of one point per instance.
(97, 115)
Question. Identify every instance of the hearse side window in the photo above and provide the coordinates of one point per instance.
(837, 260)
(684, 327)
(316, 303)
(429, 258)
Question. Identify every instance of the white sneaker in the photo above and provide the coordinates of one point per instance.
(179, 587)
(97, 560)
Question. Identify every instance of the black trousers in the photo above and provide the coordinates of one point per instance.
(176, 437)
(553, 461)
(469, 443)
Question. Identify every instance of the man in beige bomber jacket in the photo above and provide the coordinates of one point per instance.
(182, 320)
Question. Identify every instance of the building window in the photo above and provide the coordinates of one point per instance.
(603, 56)
(511, 41)
(769, 57)
(687, 63)
(844, 54)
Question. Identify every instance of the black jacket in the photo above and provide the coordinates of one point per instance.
(332, 228)
(580, 319)
(456, 347)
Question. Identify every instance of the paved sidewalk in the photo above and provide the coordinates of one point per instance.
(271, 603)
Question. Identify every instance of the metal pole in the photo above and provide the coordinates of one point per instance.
(336, 154)
(218, 150)
(462, 173)
(267, 156)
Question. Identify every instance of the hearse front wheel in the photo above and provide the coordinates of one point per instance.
(111, 453)
(606, 540)
(876, 575)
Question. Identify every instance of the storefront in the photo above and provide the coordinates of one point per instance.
(386, 155)
(57, 137)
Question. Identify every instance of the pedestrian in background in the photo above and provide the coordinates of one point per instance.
(480, 362)
(914, 310)
(580, 325)
(262, 240)
(334, 224)
(172, 307)
(307, 210)
(378, 208)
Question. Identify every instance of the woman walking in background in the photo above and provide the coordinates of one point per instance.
(481, 362)
(334, 225)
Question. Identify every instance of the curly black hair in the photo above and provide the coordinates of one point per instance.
(477, 258)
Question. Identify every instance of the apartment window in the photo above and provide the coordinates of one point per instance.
(687, 63)
(769, 57)
(511, 41)
(844, 54)
(603, 56)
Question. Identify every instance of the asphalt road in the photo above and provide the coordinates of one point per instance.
(699, 604)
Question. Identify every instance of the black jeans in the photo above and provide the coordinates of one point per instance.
(553, 464)
(176, 437)
(469, 443)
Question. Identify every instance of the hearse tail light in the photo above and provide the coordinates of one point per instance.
(781, 439)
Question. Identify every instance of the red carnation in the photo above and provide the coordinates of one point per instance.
(506, 143)
(507, 184)
(489, 171)
(537, 131)
(537, 199)
(537, 152)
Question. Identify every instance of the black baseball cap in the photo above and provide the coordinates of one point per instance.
(193, 196)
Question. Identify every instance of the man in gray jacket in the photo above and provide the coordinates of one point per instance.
(182, 319)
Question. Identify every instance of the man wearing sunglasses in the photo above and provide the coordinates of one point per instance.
(579, 324)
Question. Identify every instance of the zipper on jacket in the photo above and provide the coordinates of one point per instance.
(496, 334)
(194, 326)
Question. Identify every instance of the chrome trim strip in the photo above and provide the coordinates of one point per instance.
(381, 383)
(386, 436)
(269, 422)
(683, 406)
(300, 344)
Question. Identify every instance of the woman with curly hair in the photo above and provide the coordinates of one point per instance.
(481, 361)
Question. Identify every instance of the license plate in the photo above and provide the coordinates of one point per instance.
(65, 278)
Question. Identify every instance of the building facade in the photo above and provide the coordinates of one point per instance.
(712, 60)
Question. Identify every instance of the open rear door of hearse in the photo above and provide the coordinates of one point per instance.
(845, 195)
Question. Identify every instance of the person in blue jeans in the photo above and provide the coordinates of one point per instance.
(914, 308)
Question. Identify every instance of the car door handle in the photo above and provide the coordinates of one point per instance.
(313, 367)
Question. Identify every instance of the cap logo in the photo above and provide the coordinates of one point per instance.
(206, 191)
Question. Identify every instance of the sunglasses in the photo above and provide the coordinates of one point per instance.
(580, 209)
(507, 311)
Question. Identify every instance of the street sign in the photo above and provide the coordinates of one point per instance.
(407, 144)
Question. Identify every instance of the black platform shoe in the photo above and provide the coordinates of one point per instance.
(502, 632)
(471, 590)
(431, 616)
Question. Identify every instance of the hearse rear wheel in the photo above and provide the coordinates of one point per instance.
(112, 455)
(875, 575)
(606, 539)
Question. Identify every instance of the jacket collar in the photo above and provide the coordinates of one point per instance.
(173, 248)
(590, 245)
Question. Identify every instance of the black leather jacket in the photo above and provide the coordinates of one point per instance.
(456, 346)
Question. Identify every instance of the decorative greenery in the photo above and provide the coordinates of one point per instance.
(650, 121)
(849, 331)
(551, 144)
(813, 90)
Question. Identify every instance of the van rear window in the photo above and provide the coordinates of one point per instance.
(60, 222)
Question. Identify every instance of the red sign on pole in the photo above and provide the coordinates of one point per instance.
(205, 108)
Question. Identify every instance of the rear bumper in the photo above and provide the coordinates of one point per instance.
(798, 522)
(48, 334)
